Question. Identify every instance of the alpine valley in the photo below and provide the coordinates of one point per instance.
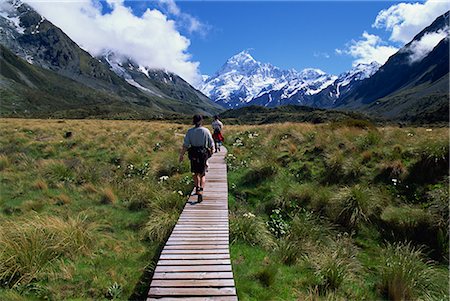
(45, 74)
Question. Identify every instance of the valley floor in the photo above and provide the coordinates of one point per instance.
(332, 211)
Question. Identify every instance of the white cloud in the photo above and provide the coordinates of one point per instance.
(420, 49)
(185, 20)
(151, 39)
(368, 49)
(405, 20)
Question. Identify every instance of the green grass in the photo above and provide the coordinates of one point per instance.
(75, 212)
(315, 210)
(332, 197)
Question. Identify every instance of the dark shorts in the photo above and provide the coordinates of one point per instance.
(198, 157)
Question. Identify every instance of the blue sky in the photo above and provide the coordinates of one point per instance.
(288, 34)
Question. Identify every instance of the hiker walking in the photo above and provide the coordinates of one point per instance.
(199, 144)
(217, 126)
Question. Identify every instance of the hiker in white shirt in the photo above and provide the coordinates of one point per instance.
(199, 143)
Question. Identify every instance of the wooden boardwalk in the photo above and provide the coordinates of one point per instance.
(195, 262)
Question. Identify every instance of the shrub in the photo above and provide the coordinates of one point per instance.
(250, 229)
(356, 123)
(406, 275)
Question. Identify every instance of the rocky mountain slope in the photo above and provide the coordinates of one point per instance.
(34, 39)
(408, 87)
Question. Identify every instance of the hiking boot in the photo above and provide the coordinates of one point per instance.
(200, 195)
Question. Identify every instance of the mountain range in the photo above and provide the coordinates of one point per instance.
(243, 81)
(401, 89)
(45, 73)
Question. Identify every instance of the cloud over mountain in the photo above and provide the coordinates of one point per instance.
(151, 39)
(404, 20)
(370, 48)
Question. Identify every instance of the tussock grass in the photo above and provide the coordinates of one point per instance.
(62, 199)
(4, 162)
(407, 275)
(31, 246)
(353, 206)
(160, 225)
(267, 275)
(107, 197)
(356, 176)
(334, 264)
(251, 229)
(40, 184)
(45, 169)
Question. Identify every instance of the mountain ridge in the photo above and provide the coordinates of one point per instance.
(42, 44)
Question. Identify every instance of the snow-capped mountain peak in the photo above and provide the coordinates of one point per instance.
(242, 81)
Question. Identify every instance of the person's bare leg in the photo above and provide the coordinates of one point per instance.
(196, 181)
(202, 181)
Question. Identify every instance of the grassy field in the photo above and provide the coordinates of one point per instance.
(340, 211)
(83, 217)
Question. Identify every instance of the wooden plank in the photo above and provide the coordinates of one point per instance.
(193, 283)
(193, 275)
(198, 235)
(197, 239)
(197, 242)
(192, 262)
(194, 256)
(192, 291)
(196, 247)
(193, 268)
(184, 298)
(196, 252)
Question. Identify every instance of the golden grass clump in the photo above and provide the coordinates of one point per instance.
(62, 199)
(107, 196)
(40, 184)
(32, 246)
(407, 275)
(89, 188)
(4, 162)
